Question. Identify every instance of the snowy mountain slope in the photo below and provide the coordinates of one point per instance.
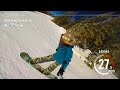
(38, 37)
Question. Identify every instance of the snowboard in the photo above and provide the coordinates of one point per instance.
(27, 58)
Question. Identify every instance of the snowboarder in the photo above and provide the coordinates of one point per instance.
(62, 56)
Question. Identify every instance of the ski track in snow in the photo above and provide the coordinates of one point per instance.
(38, 38)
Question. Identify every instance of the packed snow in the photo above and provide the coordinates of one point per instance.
(36, 34)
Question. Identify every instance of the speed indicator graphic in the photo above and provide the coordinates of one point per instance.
(102, 64)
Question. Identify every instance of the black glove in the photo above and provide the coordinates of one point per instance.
(60, 72)
(57, 49)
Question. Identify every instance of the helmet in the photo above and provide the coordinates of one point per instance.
(68, 38)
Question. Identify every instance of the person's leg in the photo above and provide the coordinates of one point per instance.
(42, 59)
(50, 68)
(38, 67)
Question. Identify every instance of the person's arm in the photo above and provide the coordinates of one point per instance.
(69, 55)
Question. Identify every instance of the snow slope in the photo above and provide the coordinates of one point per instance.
(39, 37)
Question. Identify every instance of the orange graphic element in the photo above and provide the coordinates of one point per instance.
(108, 56)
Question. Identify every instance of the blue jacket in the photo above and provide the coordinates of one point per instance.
(63, 55)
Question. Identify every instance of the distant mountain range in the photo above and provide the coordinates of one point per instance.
(77, 14)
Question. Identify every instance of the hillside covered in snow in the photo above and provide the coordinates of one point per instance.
(36, 34)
